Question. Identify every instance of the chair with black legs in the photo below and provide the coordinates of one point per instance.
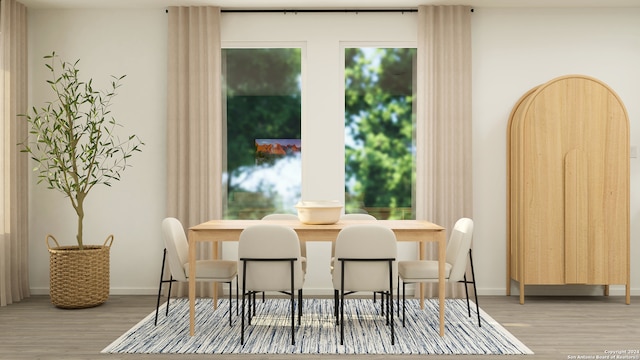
(458, 249)
(176, 251)
(356, 217)
(365, 260)
(270, 260)
(303, 244)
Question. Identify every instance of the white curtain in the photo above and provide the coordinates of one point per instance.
(194, 120)
(14, 240)
(444, 120)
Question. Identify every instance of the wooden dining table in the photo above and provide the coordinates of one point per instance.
(215, 231)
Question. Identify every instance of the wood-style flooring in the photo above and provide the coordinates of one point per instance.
(552, 327)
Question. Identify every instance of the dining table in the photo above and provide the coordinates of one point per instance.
(420, 231)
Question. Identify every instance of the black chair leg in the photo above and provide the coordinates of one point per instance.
(300, 307)
(164, 257)
(398, 296)
(475, 292)
(390, 312)
(466, 292)
(342, 317)
(237, 296)
(293, 317)
(383, 297)
(242, 320)
(230, 303)
(169, 296)
(252, 305)
(170, 281)
(336, 303)
(389, 296)
(342, 303)
(293, 309)
(404, 304)
(244, 295)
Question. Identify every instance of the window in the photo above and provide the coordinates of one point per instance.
(379, 132)
(263, 119)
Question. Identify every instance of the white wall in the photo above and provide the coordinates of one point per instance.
(513, 50)
(108, 42)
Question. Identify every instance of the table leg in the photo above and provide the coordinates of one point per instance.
(214, 252)
(421, 256)
(442, 257)
(192, 284)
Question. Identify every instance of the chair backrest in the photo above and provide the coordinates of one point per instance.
(175, 241)
(354, 216)
(280, 217)
(357, 217)
(270, 241)
(458, 248)
(365, 241)
(283, 216)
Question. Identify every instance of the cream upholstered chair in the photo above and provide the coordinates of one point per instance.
(270, 260)
(303, 245)
(176, 248)
(357, 216)
(365, 260)
(458, 248)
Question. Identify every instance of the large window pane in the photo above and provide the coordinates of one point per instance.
(263, 93)
(379, 132)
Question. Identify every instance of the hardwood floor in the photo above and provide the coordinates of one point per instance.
(552, 327)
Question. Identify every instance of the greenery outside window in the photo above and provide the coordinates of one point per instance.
(380, 147)
(262, 95)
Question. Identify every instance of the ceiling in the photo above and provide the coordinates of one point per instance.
(322, 4)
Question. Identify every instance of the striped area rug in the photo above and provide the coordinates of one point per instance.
(365, 331)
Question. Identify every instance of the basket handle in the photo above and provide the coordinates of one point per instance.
(49, 236)
(109, 240)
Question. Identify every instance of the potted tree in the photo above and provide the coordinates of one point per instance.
(73, 141)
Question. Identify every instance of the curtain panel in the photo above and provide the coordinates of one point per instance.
(444, 120)
(194, 120)
(14, 239)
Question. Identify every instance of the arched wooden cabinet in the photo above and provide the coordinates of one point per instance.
(568, 186)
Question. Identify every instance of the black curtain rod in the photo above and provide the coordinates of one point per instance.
(294, 11)
(315, 10)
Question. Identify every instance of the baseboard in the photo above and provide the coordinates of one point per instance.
(112, 291)
(530, 290)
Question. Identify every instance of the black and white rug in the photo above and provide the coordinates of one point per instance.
(365, 330)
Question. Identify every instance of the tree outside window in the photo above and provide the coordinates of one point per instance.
(379, 132)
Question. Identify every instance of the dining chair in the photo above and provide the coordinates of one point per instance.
(176, 251)
(270, 260)
(303, 244)
(458, 249)
(355, 216)
(365, 260)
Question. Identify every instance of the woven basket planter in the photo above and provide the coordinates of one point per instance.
(78, 278)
